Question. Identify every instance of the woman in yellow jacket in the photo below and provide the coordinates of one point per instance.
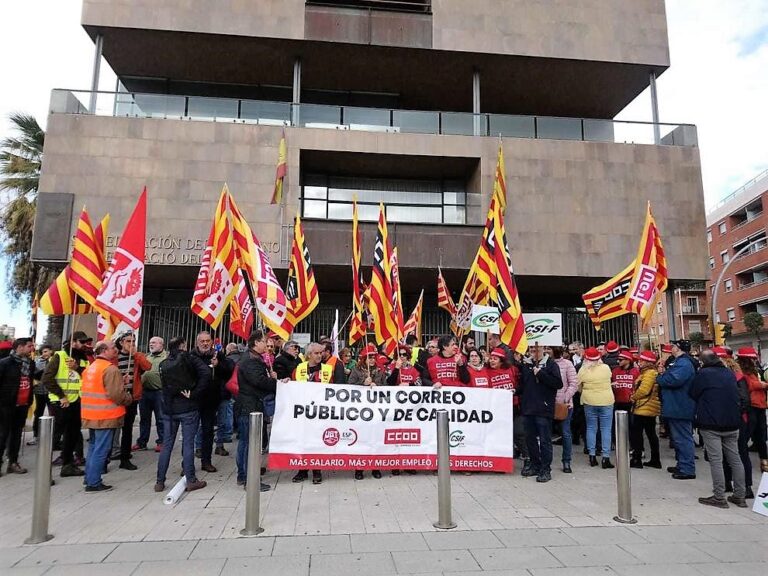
(646, 406)
(597, 398)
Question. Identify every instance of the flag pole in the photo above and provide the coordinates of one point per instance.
(346, 322)
(74, 324)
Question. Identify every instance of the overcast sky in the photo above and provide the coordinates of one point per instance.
(718, 80)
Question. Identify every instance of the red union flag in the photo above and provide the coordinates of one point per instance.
(122, 291)
(241, 309)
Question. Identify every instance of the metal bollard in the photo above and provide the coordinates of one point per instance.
(42, 504)
(623, 481)
(252, 488)
(444, 522)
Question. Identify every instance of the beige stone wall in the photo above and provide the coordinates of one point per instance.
(575, 208)
(631, 31)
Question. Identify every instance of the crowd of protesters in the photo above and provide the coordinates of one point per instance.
(561, 395)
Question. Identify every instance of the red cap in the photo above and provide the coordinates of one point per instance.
(369, 350)
(666, 348)
(747, 352)
(634, 350)
(626, 355)
(720, 352)
(648, 356)
(611, 347)
(499, 353)
(592, 354)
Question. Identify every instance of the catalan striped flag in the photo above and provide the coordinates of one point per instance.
(499, 183)
(380, 302)
(511, 322)
(413, 325)
(301, 290)
(268, 295)
(59, 298)
(357, 325)
(87, 265)
(215, 281)
(649, 280)
(444, 298)
(397, 293)
(606, 301)
(282, 170)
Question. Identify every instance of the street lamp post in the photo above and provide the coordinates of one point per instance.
(720, 279)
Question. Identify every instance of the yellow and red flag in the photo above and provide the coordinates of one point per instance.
(241, 309)
(499, 183)
(122, 291)
(268, 295)
(397, 294)
(59, 298)
(357, 325)
(301, 290)
(413, 325)
(216, 279)
(444, 298)
(380, 290)
(649, 280)
(87, 264)
(282, 170)
(606, 301)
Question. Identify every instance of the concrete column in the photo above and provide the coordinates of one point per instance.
(478, 123)
(296, 100)
(655, 111)
(99, 45)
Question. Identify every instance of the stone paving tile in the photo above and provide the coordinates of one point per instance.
(511, 572)
(73, 554)
(148, 551)
(9, 556)
(26, 571)
(743, 533)
(267, 566)
(388, 542)
(549, 522)
(368, 563)
(514, 558)
(670, 534)
(112, 569)
(454, 540)
(658, 570)
(603, 535)
(732, 569)
(570, 571)
(534, 537)
(735, 551)
(338, 544)
(437, 561)
(671, 553)
(233, 548)
(200, 567)
(605, 555)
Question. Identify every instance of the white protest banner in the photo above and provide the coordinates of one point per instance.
(761, 497)
(342, 427)
(544, 329)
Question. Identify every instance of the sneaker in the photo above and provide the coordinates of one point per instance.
(71, 470)
(32, 442)
(677, 476)
(740, 502)
(128, 465)
(208, 467)
(264, 487)
(712, 501)
(544, 477)
(300, 476)
(221, 451)
(240, 482)
(652, 464)
(376, 474)
(358, 474)
(57, 462)
(138, 448)
(100, 488)
(160, 486)
(158, 448)
(317, 478)
(196, 485)
(15, 468)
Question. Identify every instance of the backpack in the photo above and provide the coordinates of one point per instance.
(176, 374)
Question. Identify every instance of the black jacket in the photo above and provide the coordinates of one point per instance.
(716, 393)
(538, 391)
(174, 402)
(254, 384)
(285, 364)
(219, 376)
(10, 378)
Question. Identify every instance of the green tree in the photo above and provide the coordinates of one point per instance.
(753, 321)
(21, 157)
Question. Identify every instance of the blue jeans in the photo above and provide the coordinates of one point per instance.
(224, 422)
(99, 448)
(189, 422)
(599, 417)
(538, 436)
(567, 438)
(151, 403)
(681, 432)
(243, 432)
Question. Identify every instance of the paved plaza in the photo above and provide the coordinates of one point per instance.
(507, 525)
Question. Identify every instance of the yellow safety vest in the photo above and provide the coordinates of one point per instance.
(415, 355)
(302, 373)
(69, 380)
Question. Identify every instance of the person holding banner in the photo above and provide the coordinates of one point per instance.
(442, 369)
(475, 371)
(505, 376)
(256, 380)
(402, 372)
(597, 398)
(367, 373)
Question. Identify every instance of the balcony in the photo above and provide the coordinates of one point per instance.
(694, 310)
(231, 110)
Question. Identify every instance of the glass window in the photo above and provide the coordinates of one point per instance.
(711, 263)
(724, 257)
(694, 326)
(559, 128)
(315, 192)
(722, 228)
(314, 208)
(709, 235)
(661, 329)
(731, 314)
(659, 307)
(728, 285)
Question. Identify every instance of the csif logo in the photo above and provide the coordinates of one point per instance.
(535, 329)
(456, 439)
(485, 320)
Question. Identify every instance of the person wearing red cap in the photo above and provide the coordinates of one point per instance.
(505, 376)
(611, 356)
(367, 373)
(747, 358)
(646, 407)
(565, 396)
(442, 369)
(726, 355)
(623, 379)
(597, 397)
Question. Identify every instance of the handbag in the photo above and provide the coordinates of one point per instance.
(561, 411)
(232, 385)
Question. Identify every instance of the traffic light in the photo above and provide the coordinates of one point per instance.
(719, 334)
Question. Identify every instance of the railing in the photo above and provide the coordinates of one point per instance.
(752, 250)
(753, 283)
(232, 110)
(693, 310)
(747, 220)
(741, 189)
(420, 6)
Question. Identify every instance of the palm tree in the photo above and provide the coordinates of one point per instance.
(21, 157)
